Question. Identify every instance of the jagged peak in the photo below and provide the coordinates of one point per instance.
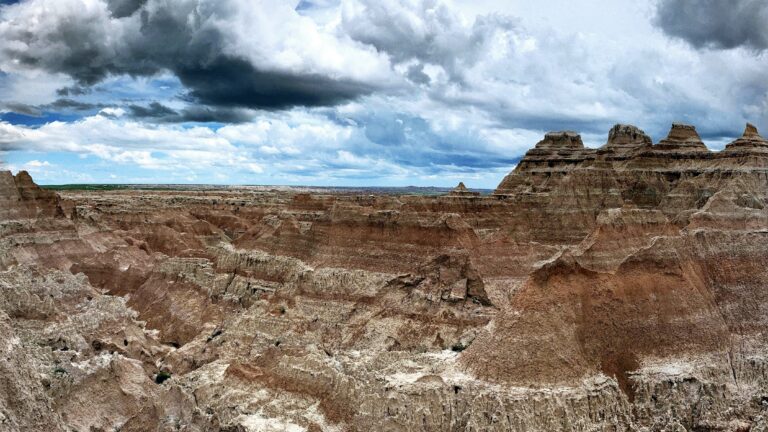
(682, 137)
(24, 178)
(683, 132)
(561, 139)
(461, 190)
(21, 198)
(563, 152)
(625, 135)
(750, 131)
(749, 141)
(7, 185)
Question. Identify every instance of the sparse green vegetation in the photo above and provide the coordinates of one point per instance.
(94, 187)
(111, 187)
(459, 347)
(162, 377)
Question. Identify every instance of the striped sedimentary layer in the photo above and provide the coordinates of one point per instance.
(616, 288)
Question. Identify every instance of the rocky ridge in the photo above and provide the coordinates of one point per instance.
(618, 288)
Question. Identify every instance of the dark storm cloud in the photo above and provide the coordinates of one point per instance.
(81, 49)
(124, 8)
(73, 91)
(716, 23)
(20, 108)
(161, 113)
(177, 38)
(205, 114)
(229, 81)
(153, 110)
(71, 105)
(59, 105)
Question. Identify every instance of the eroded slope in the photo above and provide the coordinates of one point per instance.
(620, 288)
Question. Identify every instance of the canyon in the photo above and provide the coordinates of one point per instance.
(596, 289)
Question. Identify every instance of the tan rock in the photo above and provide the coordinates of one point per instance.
(461, 191)
(620, 288)
(626, 138)
(682, 138)
(749, 142)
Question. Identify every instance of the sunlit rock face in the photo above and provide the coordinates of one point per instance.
(618, 288)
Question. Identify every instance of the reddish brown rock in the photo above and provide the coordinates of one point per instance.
(619, 288)
(21, 198)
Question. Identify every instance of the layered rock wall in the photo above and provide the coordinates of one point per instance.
(618, 288)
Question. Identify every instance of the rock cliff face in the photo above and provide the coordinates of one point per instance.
(21, 198)
(618, 288)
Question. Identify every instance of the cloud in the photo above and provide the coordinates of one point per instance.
(24, 109)
(299, 148)
(154, 110)
(233, 58)
(124, 8)
(73, 91)
(109, 137)
(38, 164)
(235, 82)
(32, 87)
(61, 105)
(71, 105)
(276, 59)
(716, 23)
(158, 112)
(428, 32)
(204, 114)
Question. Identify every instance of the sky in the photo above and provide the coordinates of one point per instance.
(360, 92)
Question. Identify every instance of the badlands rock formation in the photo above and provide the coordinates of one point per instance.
(613, 289)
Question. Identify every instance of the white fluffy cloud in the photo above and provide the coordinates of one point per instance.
(126, 142)
(295, 148)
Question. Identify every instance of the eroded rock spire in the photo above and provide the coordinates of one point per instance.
(561, 139)
(461, 191)
(682, 137)
(624, 138)
(750, 141)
